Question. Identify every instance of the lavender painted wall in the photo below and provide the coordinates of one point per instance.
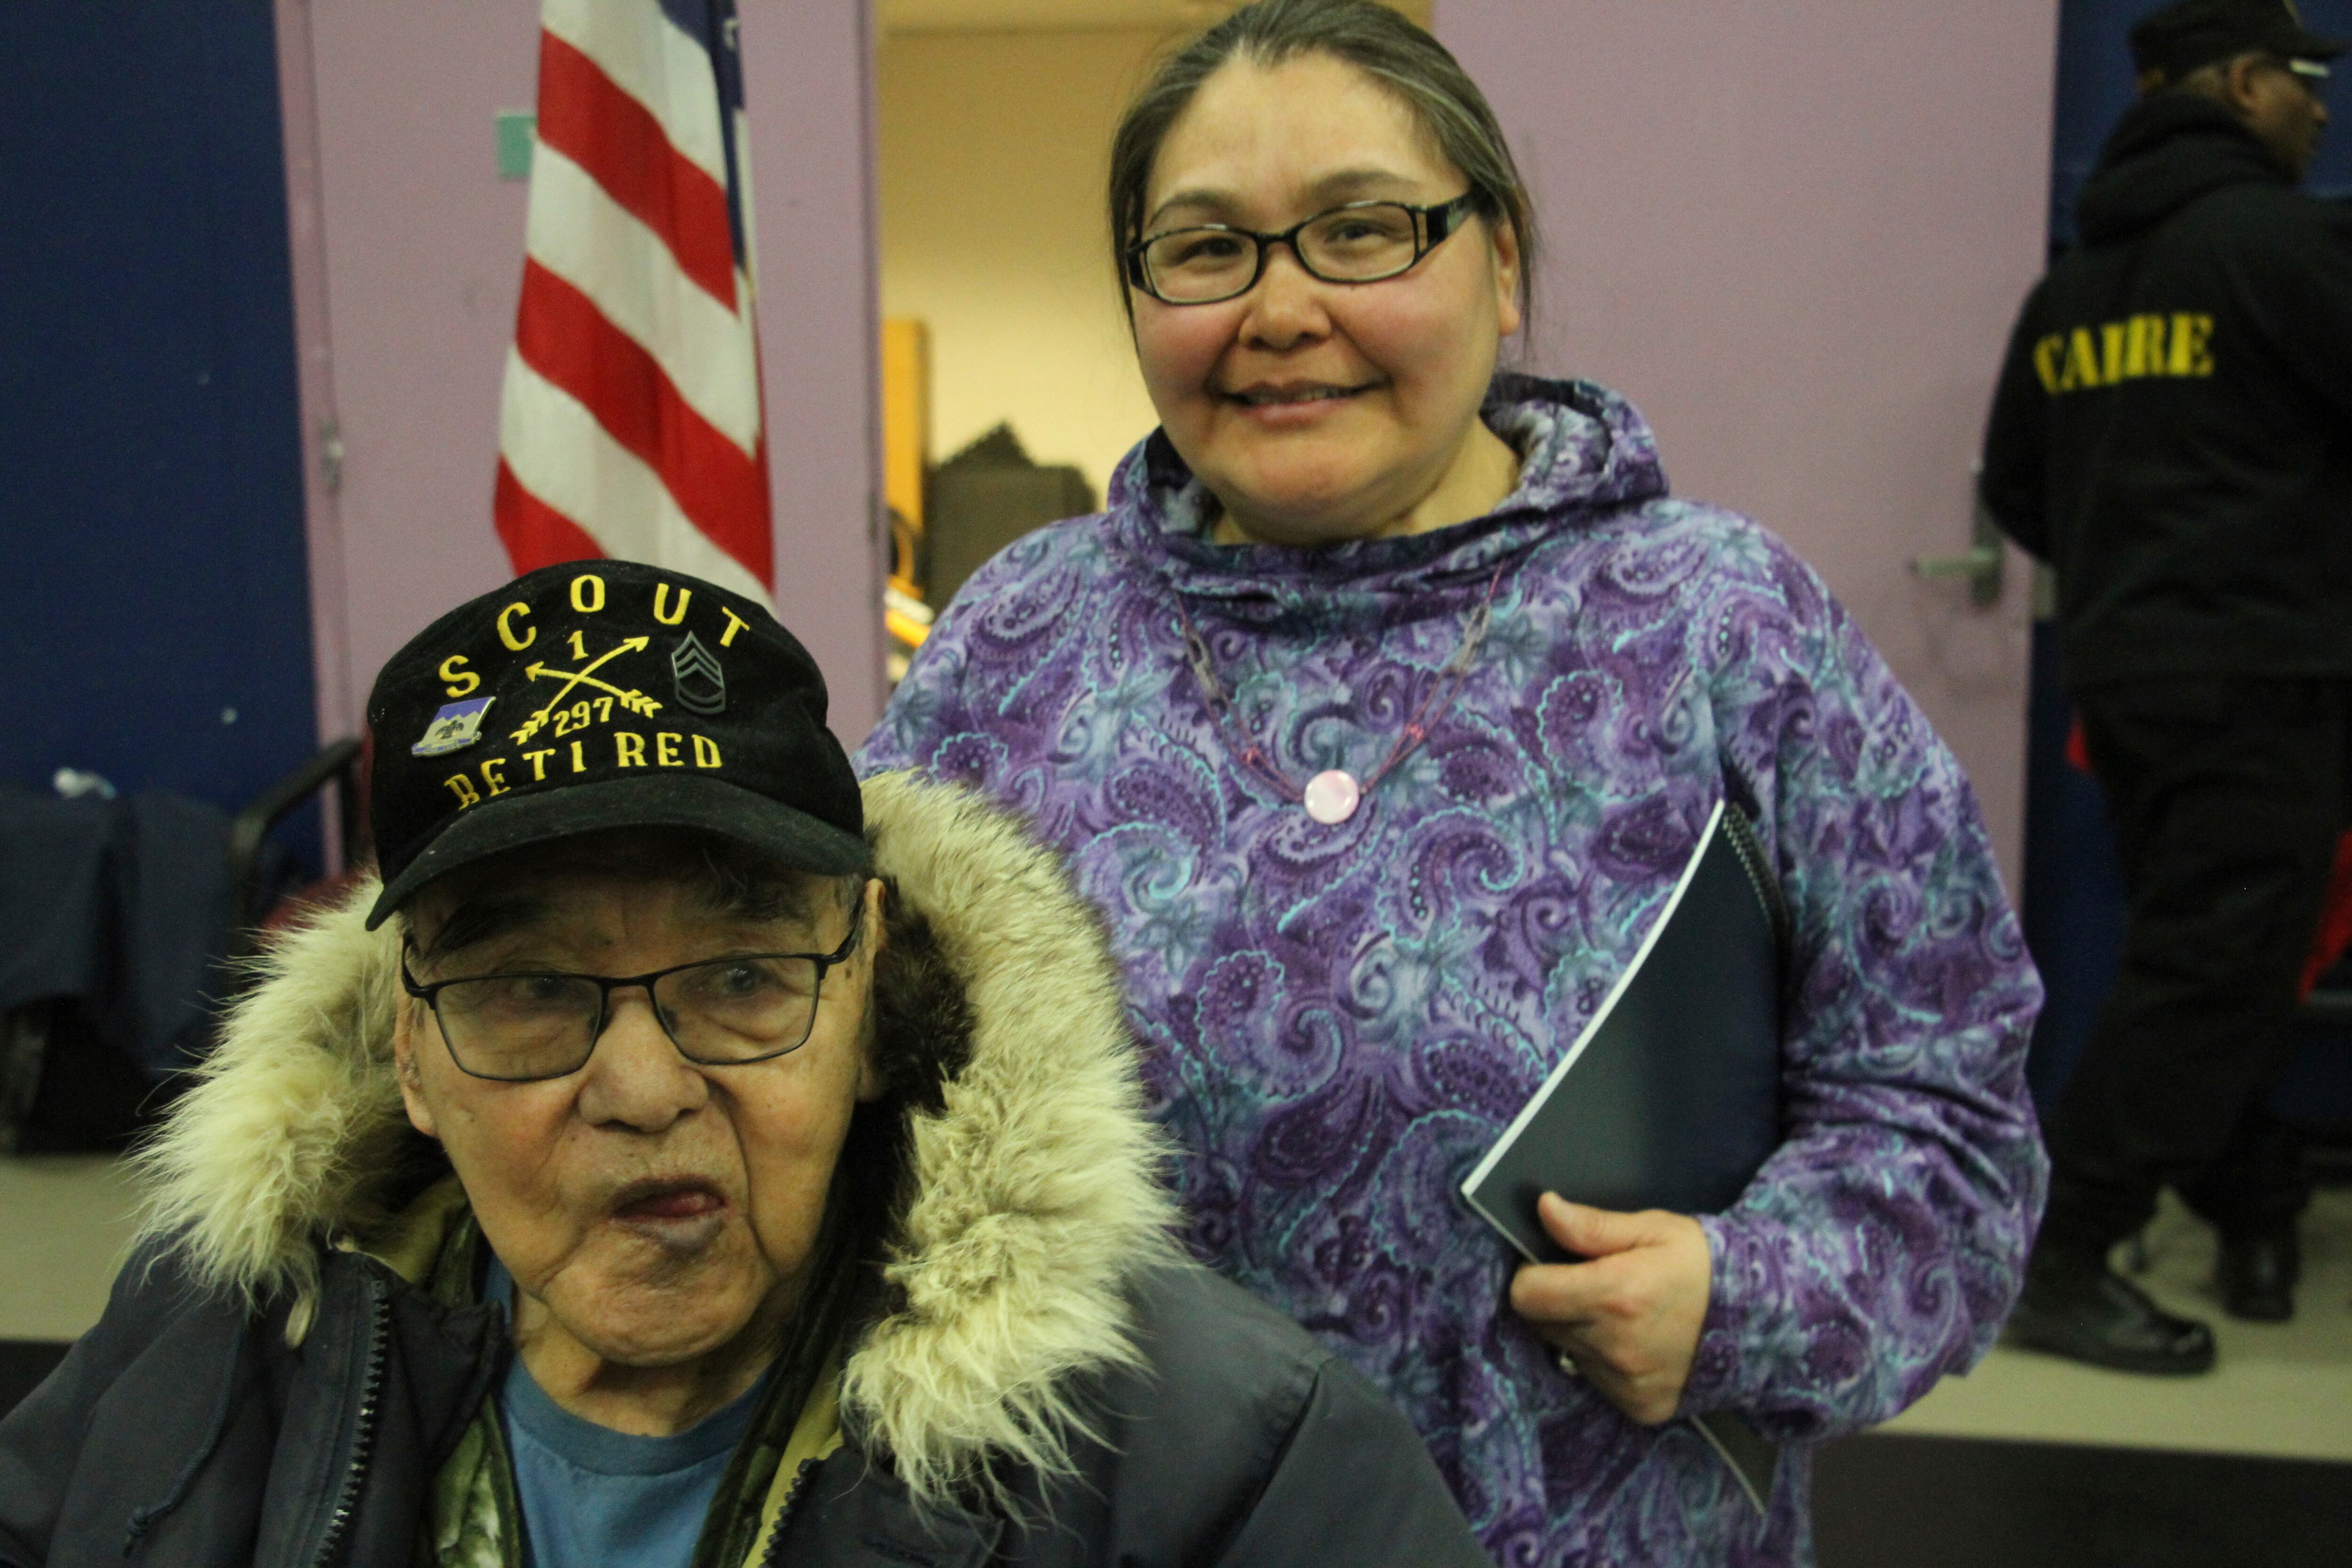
(1795, 234)
(421, 247)
(808, 78)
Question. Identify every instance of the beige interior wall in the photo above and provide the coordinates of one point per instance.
(994, 147)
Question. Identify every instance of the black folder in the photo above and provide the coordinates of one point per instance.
(1670, 1098)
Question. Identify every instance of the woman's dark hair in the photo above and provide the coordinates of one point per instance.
(1376, 41)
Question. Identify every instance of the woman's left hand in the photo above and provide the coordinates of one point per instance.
(1629, 1316)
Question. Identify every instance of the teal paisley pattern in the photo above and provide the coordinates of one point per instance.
(1339, 1019)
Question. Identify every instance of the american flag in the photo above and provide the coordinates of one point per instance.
(631, 424)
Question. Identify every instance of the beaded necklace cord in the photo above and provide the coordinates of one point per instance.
(1333, 796)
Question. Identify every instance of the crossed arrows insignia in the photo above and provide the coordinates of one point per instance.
(633, 700)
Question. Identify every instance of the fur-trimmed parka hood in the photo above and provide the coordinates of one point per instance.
(1034, 1192)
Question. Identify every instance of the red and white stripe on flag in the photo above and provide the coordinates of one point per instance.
(631, 425)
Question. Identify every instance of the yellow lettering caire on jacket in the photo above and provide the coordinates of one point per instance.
(2179, 344)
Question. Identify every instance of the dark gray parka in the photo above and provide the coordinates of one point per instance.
(285, 1376)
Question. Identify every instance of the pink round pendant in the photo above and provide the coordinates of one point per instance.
(1331, 796)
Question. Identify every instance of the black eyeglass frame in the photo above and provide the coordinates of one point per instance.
(431, 996)
(1432, 226)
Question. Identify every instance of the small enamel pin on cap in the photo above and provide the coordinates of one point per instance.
(455, 727)
(600, 694)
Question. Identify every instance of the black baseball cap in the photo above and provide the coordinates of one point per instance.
(597, 695)
(2179, 39)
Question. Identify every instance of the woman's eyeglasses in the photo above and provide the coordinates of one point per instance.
(1362, 242)
(718, 1012)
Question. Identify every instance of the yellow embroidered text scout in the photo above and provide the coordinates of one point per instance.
(584, 698)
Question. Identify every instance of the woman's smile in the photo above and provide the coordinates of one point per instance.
(1284, 406)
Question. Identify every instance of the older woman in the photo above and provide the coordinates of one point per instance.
(1378, 714)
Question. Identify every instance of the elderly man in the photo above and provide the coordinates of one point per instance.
(677, 1161)
(2173, 430)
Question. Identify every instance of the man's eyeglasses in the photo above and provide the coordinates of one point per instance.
(718, 1012)
(1362, 242)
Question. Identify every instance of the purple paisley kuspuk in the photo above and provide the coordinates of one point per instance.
(1338, 1019)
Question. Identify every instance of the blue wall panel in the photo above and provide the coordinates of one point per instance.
(153, 593)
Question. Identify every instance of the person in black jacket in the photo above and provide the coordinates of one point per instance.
(684, 1157)
(2173, 431)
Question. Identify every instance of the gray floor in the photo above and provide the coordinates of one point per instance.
(2280, 1389)
(65, 1226)
(2284, 1390)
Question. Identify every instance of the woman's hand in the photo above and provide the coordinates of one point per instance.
(1629, 1317)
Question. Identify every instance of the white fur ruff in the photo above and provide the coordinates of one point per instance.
(1038, 1190)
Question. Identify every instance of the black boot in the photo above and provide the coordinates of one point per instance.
(2075, 1306)
(2258, 1270)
